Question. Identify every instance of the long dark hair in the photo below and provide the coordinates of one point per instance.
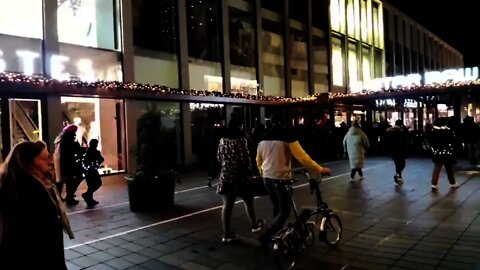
(17, 167)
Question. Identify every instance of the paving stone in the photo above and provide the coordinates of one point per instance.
(101, 256)
(85, 261)
(135, 258)
(119, 263)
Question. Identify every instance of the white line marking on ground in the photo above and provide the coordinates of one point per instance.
(193, 214)
(176, 192)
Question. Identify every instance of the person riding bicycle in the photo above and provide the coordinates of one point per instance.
(274, 154)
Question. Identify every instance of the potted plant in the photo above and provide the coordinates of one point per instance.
(151, 186)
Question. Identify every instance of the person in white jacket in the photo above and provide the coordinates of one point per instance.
(355, 144)
(274, 155)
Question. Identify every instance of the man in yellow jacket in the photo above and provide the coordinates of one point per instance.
(274, 156)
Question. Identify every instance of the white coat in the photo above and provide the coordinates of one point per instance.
(355, 143)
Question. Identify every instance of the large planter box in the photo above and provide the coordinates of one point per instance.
(147, 194)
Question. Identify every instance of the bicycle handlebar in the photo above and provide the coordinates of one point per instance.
(304, 172)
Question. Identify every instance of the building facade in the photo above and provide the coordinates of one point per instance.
(241, 47)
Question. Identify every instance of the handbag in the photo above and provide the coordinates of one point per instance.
(257, 187)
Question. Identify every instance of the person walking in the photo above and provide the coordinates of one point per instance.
(398, 137)
(91, 163)
(236, 174)
(32, 217)
(274, 157)
(68, 166)
(442, 141)
(355, 144)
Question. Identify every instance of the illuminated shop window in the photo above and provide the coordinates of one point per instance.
(337, 62)
(21, 18)
(101, 119)
(87, 22)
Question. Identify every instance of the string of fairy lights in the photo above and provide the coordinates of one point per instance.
(21, 79)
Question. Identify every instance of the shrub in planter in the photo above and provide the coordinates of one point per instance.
(152, 185)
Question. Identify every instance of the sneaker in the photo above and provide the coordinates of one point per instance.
(361, 178)
(434, 187)
(229, 238)
(397, 179)
(258, 226)
(352, 179)
(454, 185)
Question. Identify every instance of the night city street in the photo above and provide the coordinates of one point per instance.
(386, 226)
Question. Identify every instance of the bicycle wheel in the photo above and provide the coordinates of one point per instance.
(283, 256)
(331, 230)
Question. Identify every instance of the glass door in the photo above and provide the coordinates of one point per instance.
(25, 120)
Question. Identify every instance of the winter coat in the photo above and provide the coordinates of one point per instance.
(397, 141)
(67, 157)
(355, 144)
(236, 168)
(442, 141)
(34, 238)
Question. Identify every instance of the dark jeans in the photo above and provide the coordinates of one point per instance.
(282, 204)
(399, 164)
(354, 171)
(94, 181)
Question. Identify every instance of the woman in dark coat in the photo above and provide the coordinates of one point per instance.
(442, 140)
(32, 216)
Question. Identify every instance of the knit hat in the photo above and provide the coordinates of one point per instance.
(70, 128)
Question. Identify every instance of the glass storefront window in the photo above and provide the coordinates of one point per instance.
(22, 55)
(207, 122)
(366, 65)
(101, 119)
(353, 19)
(89, 23)
(337, 15)
(22, 18)
(242, 47)
(298, 48)
(377, 25)
(25, 120)
(273, 55)
(378, 63)
(203, 29)
(320, 61)
(337, 62)
(352, 65)
(203, 23)
(363, 19)
(155, 39)
(299, 60)
(86, 64)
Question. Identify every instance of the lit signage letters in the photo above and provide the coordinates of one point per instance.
(432, 77)
(26, 60)
(58, 67)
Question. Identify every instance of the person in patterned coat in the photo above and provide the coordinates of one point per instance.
(236, 174)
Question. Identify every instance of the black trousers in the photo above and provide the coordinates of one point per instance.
(71, 184)
(94, 181)
(354, 171)
(399, 164)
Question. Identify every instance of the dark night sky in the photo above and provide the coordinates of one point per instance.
(453, 21)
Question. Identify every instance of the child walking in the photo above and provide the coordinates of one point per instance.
(91, 162)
